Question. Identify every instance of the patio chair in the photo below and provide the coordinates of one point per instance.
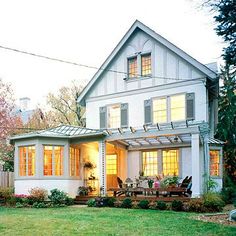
(187, 184)
(120, 185)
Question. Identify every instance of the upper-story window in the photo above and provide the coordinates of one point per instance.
(160, 110)
(27, 161)
(114, 116)
(177, 107)
(146, 64)
(132, 67)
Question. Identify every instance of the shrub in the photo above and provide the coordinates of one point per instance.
(160, 205)
(196, 205)
(57, 197)
(69, 201)
(19, 205)
(39, 205)
(143, 204)
(111, 202)
(177, 205)
(91, 202)
(37, 195)
(21, 198)
(5, 193)
(213, 202)
(127, 203)
(11, 201)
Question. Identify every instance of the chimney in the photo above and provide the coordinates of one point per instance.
(24, 103)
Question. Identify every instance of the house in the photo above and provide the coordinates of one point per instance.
(151, 109)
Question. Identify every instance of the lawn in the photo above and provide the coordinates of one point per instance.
(104, 221)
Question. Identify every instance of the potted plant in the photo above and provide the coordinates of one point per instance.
(170, 181)
(88, 165)
(150, 183)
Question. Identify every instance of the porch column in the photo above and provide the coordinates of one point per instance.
(102, 167)
(195, 150)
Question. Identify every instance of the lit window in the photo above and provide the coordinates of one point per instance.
(74, 161)
(114, 116)
(159, 110)
(111, 164)
(132, 67)
(27, 161)
(170, 162)
(214, 162)
(150, 164)
(177, 107)
(53, 157)
(146, 64)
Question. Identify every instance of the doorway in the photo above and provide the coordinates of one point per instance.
(111, 170)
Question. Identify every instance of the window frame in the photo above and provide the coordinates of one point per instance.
(216, 148)
(53, 161)
(26, 161)
(168, 107)
(69, 164)
(128, 69)
(160, 160)
(108, 120)
(141, 64)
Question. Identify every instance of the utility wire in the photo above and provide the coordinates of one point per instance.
(92, 67)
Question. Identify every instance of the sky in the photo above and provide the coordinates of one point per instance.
(86, 32)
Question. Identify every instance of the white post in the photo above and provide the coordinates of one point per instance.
(102, 167)
(195, 165)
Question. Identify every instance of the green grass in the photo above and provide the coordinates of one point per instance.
(104, 221)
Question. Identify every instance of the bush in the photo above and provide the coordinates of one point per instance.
(91, 202)
(213, 202)
(69, 201)
(127, 203)
(37, 195)
(143, 204)
(177, 205)
(111, 202)
(39, 205)
(19, 205)
(11, 201)
(196, 205)
(160, 205)
(57, 197)
(5, 193)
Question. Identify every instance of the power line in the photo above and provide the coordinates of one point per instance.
(20, 128)
(92, 67)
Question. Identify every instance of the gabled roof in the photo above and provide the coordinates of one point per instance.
(139, 25)
(62, 131)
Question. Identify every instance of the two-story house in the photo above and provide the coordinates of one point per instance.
(151, 109)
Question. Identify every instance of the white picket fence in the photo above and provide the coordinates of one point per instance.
(6, 179)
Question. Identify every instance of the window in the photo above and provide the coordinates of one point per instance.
(111, 164)
(27, 161)
(53, 160)
(170, 162)
(159, 110)
(74, 161)
(132, 67)
(214, 162)
(146, 64)
(150, 164)
(177, 107)
(114, 116)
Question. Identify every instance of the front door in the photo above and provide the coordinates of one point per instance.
(111, 169)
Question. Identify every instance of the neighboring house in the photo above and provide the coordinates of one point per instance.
(151, 110)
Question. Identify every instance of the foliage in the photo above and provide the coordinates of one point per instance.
(19, 205)
(111, 202)
(88, 165)
(150, 183)
(83, 191)
(37, 195)
(160, 205)
(126, 203)
(169, 181)
(40, 205)
(177, 205)
(211, 184)
(57, 197)
(228, 192)
(91, 202)
(6, 192)
(143, 204)
(213, 202)
(69, 201)
(64, 105)
(196, 205)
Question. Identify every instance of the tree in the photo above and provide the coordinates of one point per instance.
(9, 124)
(64, 107)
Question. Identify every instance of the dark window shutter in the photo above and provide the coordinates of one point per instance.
(124, 115)
(190, 106)
(103, 117)
(148, 111)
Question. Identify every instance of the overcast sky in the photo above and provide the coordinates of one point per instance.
(86, 32)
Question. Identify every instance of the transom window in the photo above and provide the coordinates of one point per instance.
(214, 162)
(27, 161)
(146, 64)
(132, 67)
(150, 164)
(159, 110)
(74, 161)
(53, 160)
(114, 116)
(170, 165)
(111, 164)
(177, 107)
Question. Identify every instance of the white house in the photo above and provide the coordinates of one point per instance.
(151, 109)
